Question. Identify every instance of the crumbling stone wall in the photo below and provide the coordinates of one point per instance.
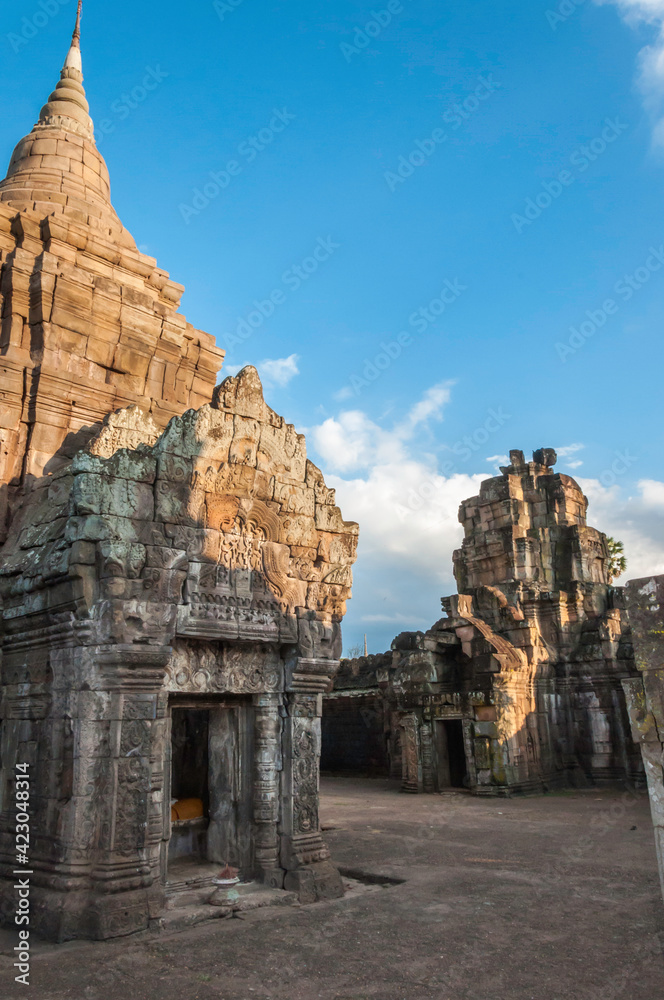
(531, 655)
(645, 693)
(356, 730)
(211, 561)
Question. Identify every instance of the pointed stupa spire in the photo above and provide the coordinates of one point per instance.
(67, 106)
(57, 168)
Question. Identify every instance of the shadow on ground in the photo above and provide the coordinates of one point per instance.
(457, 898)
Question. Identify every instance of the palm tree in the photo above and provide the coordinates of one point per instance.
(617, 561)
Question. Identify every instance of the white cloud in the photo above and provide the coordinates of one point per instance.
(407, 511)
(651, 57)
(353, 441)
(652, 493)
(430, 406)
(277, 371)
(497, 461)
(343, 394)
(569, 449)
(649, 10)
(575, 465)
(408, 515)
(636, 521)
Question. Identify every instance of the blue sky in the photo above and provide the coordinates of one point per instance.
(512, 270)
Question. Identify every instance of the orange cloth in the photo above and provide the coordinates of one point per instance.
(187, 809)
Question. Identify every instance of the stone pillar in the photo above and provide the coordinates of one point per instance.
(267, 772)
(125, 788)
(411, 771)
(426, 744)
(304, 855)
(645, 694)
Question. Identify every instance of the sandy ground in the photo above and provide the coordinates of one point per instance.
(548, 898)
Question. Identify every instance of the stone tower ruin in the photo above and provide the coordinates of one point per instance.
(519, 688)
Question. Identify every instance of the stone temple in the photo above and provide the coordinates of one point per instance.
(173, 572)
(519, 688)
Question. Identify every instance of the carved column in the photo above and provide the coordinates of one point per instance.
(304, 854)
(426, 742)
(127, 797)
(267, 770)
(411, 775)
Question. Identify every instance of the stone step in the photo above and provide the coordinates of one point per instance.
(181, 914)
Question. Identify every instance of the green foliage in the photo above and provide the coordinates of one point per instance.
(617, 561)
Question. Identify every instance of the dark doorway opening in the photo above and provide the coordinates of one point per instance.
(190, 795)
(452, 771)
(189, 771)
(209, 817)
(353, 737)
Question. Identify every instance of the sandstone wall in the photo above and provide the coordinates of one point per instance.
(645, 693)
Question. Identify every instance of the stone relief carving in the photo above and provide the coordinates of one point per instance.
(306, 753)
(207, 668)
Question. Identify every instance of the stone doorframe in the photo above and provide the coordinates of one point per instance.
(417, 752)
(244, 835)
(289, 851)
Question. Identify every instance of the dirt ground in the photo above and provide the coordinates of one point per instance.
(543, 898)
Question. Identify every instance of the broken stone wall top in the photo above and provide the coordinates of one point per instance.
(220, 522)
(526, 535)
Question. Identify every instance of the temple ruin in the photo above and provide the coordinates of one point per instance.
(519, 688)
(173, 573)
(645, 693)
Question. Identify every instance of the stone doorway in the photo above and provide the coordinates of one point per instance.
(209, 813)
(450, 752)
(190, 795)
